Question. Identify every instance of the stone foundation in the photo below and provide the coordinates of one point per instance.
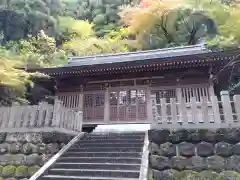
(22, 154)
(201, 154)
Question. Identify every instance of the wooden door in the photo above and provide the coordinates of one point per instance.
(128, 105)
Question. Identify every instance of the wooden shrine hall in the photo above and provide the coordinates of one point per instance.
(118, 88)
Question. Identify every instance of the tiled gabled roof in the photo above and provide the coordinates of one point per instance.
(137, 56)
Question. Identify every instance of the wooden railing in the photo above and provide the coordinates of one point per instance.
(42, 117)
(205, 114)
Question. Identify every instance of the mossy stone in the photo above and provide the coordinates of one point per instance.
(21, 171)
(10, 178)
(32, 170)
(209, 175)
(8, 170)
(189, 175)
(1, 178)
(1, 169)
(230, 175)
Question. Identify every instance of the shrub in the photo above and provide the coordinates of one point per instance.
(8, 171)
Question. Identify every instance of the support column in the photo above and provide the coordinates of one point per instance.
(211, 90)
(106, 106)
(80, 102)
(178, 94)
(149, 105)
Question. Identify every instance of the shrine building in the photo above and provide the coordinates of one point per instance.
(117, 88)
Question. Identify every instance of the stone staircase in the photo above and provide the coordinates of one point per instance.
(101, 156)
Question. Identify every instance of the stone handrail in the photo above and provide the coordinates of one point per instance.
(43, 117)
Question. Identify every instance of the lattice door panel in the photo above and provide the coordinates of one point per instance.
(93, 107)
(128, 106)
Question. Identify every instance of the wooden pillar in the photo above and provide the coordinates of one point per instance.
(149, 105)
(106, 106)
(211, 90)
(80, 102)
(178, 94)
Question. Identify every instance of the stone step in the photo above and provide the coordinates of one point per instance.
(102, 154)
(113, 138)
(105, 149)
(93, 173)
(139, 133)
(57, 177)
(100, 160)
(110, 166)
(103, 144)
(94, 141)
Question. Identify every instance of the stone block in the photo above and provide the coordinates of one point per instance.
(12, 178)
(233, 163)
(33, 159)
(236, 149)
(167, 149)
(15, 148)
(18, 159)
(229, 175)
(205, 149)
(159, 162)
(45, 158)
(37, 138)
(154, 148)
(21, 171)
(42, 148)
(165, 175)
(178, 136)
(8, 171)
(186, 149)
(3, 136)
(158, 136)
(52, 148)
(219, 135)
(29, 148)
(188, 175)
(224, 149)
(216, 163)
(232, 135)
(32, 170)
(209, 175)
(179, 162)
(5, 159)
(196, 163)
(208, 135)
(194, 136)
(3, 148)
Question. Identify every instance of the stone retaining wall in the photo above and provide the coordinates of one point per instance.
(22, 154)
(194, 152)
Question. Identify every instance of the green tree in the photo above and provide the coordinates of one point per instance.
(162, 24)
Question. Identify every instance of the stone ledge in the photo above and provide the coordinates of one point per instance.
(192, 175)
